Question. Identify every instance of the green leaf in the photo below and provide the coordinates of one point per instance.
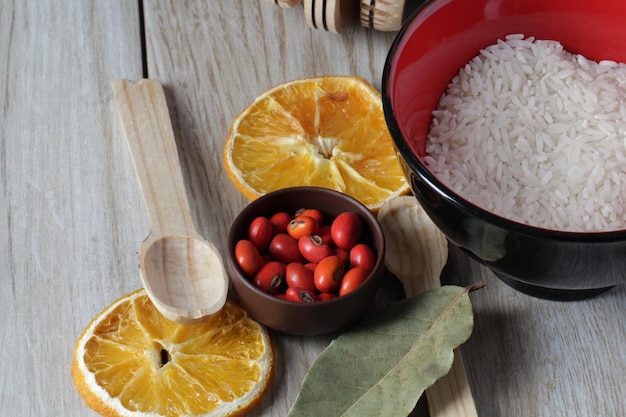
(382, 366)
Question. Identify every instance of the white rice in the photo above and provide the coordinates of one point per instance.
(535, 134)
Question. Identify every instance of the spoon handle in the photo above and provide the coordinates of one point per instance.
(145, 118)
(407, 227)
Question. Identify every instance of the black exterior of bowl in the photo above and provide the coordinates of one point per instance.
(305, 319)
(543, 263)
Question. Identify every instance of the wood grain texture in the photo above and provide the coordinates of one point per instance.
(533, 357)
(215, 61)
(72, 211)
(70, 215)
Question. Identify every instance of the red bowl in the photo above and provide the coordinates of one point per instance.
(434, 43)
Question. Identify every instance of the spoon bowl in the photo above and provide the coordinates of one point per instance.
(173, 263)
(183, 274)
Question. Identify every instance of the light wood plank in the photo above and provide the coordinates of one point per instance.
(533, 357)
(69, 211)
(214, 59)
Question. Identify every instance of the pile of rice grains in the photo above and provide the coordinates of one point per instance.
(535, 134)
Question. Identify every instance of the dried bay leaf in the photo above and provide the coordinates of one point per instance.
(382, 365)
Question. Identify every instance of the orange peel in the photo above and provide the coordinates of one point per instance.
(327, 131)
(132, 361)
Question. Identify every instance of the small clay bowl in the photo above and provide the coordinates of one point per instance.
(305, 319)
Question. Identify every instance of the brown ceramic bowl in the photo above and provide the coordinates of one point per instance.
(305, 319)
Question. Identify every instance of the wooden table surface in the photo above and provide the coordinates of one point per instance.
(72, 213)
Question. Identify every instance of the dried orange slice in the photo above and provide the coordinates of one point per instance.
(327, 131)
(132, 361)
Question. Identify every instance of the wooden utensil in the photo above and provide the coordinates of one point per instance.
(331, 15)
(416, 253)
(182, 273)
(388, 15)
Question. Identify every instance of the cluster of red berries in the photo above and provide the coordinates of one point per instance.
(303, 257)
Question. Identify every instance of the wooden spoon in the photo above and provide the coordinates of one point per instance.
(416, 253)
(182, 273)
